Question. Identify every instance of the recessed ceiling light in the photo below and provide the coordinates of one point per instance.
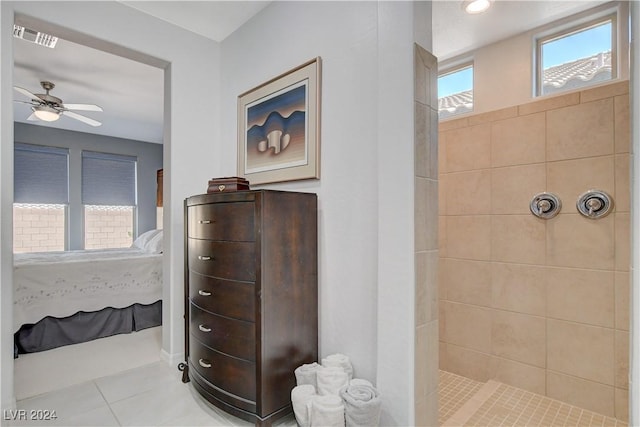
(475, 6)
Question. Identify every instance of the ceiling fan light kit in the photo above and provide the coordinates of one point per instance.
(49, 108)
(45, 113)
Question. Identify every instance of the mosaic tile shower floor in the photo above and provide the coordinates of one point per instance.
(465, 402)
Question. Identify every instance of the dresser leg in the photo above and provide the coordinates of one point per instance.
(185, 372)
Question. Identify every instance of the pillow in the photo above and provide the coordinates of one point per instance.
(154, 246)
(143, 239)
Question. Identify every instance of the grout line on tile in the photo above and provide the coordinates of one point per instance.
(107, 402)
(462, 415)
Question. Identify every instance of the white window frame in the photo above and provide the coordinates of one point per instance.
(60, 151)
(135, 206)
(572, 27)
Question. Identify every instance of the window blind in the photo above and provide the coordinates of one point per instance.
(108, 179)
(41, 174)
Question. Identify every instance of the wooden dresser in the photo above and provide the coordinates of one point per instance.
(251, 310)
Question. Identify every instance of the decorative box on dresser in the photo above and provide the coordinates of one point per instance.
(251, 286)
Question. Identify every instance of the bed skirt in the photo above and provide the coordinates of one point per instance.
(52, 332)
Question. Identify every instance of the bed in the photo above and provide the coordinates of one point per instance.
(63, 298)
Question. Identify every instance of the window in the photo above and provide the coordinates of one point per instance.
(41, 198)
(576, 58)
(455, 91)
(109, 199)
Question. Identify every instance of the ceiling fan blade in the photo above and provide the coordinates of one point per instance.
(82, 118)
(82, 107)
(26, 93)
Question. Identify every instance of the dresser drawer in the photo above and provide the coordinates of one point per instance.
(222, 221)
(234, 337)
(225, 260)
(235, 376)
(225, 297)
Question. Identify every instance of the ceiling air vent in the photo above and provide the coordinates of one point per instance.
(33, 36)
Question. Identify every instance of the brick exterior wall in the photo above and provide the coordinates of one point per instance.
(41, 228)
(108, 227)
(38, 228)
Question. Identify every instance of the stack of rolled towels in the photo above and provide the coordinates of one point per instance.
(327, 395)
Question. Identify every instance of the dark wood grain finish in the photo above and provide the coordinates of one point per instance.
(289, 265)
(233, 375)
(159, 187)
(224, 297)
(232, 404)
(271, 281)
(225, 260)
(234, 337)
(222, 221)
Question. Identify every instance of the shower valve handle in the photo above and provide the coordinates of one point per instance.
(544, 206)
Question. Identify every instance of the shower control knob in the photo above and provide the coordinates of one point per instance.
(594, 204)
(545, 205)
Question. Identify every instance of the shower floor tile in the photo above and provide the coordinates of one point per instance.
(453, 392)
(496, 404)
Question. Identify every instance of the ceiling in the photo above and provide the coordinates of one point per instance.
(131, 93)
(456, 32)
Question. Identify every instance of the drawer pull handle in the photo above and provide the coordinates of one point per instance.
(203, 328)
(204, 258)
(205, 221)
(204, 363)
(204, 293)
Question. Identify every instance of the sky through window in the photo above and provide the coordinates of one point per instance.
(557, 51)
(578, 45)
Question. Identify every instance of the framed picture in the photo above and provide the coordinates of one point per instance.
(279, 127)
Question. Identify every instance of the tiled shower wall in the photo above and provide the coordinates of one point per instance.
(426, 237)
(539, 304)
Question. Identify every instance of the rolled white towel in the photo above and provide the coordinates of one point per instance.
(339, 360)
(362, 404)
(306, 374)
(360, 381)
(301, 397)
(331, 380)
(327, 411)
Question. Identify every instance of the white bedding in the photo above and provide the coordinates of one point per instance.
(60, 284)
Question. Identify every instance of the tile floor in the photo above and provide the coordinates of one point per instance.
(115, 381)
(150, 395)
(453, 392)
(121, 381)
(39, 373)
(464, 402)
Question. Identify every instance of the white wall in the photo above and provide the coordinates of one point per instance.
(7, 399)
(347, 192)
(366, 188)
(504, 71)
(396, 224)
(191, 134)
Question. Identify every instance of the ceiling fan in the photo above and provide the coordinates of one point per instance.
(49, 108)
